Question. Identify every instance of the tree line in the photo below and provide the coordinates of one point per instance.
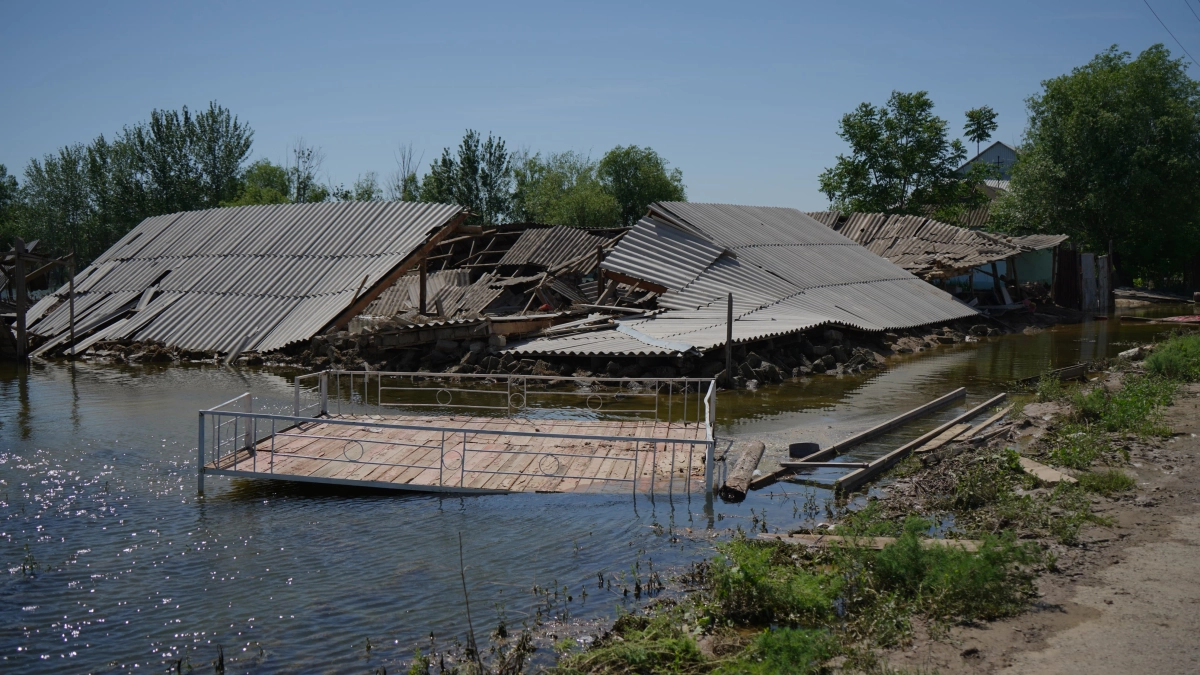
(1110, 156)
(84, 197)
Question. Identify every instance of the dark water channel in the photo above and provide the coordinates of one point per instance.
(112, 564)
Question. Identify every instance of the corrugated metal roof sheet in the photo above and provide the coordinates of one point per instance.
(264, 275)
(923, 246)
(787, 273)
(551, 246)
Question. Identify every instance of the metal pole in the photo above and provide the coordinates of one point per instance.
(200, 460)
(729, 343)
(71, 300)
(296, 393)
(248, 407)
(462, 467)
(19, 288)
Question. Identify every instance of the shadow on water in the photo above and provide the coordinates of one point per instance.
(97, 481)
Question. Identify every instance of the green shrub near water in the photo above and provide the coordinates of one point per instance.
(784, 651)
(1178, 358)
(1136, 406)
(755, 582)
(950, 582)
(656, 644)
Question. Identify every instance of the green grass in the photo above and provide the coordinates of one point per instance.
(1107, 482)
(1077, 445)
(868, 521)
(636, 644)
(1050, 388)
(1178, 359)
(949, 582)
(784, 651)
(756, 582)
(1135, 407)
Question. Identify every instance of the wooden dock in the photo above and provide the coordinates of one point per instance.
(466, 453)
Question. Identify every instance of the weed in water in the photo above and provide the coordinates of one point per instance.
(638, 644)
(784, 651)
(1106, 482)
(420, 664)
(869, 521)
(1178, 358)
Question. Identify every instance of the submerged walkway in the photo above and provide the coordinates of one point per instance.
(478, 454)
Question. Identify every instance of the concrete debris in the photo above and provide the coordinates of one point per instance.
(1044, 473)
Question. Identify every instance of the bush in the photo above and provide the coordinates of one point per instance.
(1178, 359)
(1050, 388)
(1076, 445)
(748, 586)
(640, 645)
(1136, 407)
(948, 581)
(1106, 482)
(785, 651)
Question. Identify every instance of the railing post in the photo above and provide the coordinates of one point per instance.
(248, 407)
(462, 467)
(200, 460)
(324, 393)
(296, 393)
(709, 468)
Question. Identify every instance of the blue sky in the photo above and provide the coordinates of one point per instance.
(745, 98)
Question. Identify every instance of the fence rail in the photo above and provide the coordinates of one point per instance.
(232, 435)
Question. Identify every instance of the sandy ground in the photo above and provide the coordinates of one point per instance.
(1127, 599)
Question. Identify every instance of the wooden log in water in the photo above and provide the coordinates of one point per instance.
(738, 482)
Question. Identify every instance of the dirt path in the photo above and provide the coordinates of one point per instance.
(1126, 601)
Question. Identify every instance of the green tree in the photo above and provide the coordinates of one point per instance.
(563, 189)
(636, 178)
(901, 161)
(981, 122)
(479, 178)
(263, 183)
(1111, 156)
(306, 162)
(10, 202)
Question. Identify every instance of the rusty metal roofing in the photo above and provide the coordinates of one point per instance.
(248, 278)
(551, 246)
(787, 273)
(926, 247)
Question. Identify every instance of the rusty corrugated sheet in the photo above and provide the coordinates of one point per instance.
(258, 277)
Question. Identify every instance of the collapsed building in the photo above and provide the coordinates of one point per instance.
(972, 264)
(409, 287)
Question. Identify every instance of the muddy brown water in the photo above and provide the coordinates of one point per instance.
(111, 564)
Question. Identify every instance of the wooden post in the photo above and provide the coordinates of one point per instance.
(996, 285)
(424, 273)
(729, 343)
(738, 482)
(1012, 273)
(599, 270)
(71, 300)
(19, 289)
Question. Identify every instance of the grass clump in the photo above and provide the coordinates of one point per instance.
(1178, 359)
(949, 582)
(1050, 388)
(756, 582)
(1135, 407)
(783, 651)
(1107, 482)
(869, 521)
(640, 644)
(1077, 445)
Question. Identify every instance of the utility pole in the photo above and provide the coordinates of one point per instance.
(729, 343)
(19, 287)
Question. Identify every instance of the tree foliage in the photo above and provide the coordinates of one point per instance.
(562, 188)
(1111, 156)
(901, 161)
(636, 178)
(981, 122)
(479, 178)
(263, 183)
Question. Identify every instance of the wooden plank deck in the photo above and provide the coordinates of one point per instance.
(497, 458)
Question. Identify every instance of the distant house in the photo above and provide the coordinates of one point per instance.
(998, 155)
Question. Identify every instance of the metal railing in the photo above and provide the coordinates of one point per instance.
(232, 435)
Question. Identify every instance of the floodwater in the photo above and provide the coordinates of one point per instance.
(111, 563)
